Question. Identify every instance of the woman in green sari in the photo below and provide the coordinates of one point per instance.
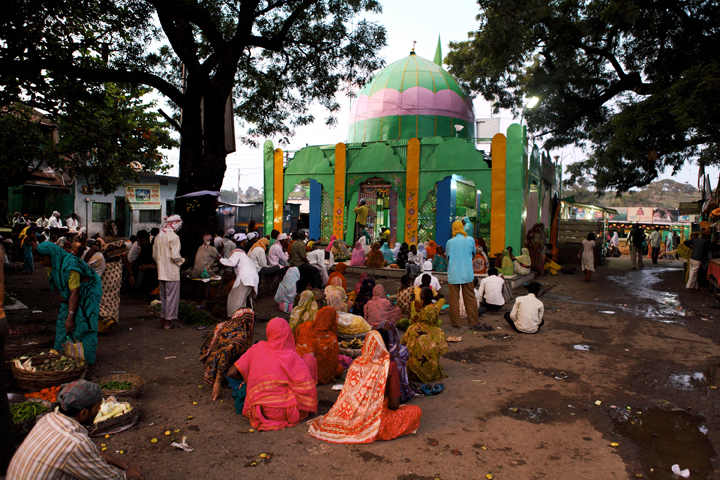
(426, 342)
(81, 290)
(507, 268)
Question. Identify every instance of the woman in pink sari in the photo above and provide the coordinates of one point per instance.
(357, 259)
(379, 309)
(280, 384)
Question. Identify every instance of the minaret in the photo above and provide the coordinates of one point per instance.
(438, 53)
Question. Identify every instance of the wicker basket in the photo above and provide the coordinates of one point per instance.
(137, 381)
(26, 329)
(39, 380)
(116, 424)
(350, 338)
(21, 344)
(24, 427)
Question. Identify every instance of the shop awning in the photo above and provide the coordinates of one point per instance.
(609, 210)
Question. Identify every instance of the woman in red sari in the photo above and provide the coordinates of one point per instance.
(319, 338)
(280, 384)
(368, 407)
(380, 309)
(339, 273)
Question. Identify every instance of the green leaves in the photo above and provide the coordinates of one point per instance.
(623, 78)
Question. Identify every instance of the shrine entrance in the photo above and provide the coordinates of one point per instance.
(381, 201)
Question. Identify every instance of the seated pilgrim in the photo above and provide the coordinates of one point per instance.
(491, 291)
(527, 313)
(368, 407)
(280, 383)
(205, 258)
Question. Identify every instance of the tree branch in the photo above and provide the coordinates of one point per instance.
(191, 13)
(97, 75)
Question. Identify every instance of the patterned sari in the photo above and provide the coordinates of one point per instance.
(360, 414)
(228, 342)
(426, 343)
(111, 283)
(336, 295)
(305, 310)
(405, 297)
(86, 318)
(319, 337)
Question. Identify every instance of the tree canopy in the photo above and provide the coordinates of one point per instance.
(105, 135)
(635, 82)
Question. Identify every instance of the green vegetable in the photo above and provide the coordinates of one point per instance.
(115, 385)
(26, 411)
(190, 315)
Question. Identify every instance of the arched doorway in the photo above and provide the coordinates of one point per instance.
(382, 202)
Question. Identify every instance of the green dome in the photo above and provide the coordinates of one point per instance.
(411, 98)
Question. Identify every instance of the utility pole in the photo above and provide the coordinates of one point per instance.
(238, 188)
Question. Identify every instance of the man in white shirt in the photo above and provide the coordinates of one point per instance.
(166, 252)
(228, 244)
(72, 222)
(278, 254)
(527, 314)
(259, 258)
(55, 221)
(434, 282)
(414, 262)
(42, 222)
(655, 242)
(134, 248)
(218, 240)
(490, 291)
(246, 280)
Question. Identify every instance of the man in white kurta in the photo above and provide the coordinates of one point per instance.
(246, 280)
(527, 313)
(166, 252)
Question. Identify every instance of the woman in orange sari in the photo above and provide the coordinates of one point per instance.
(280, 384)
(319, 338)
(431, 249)
(339, 273)
(368, 407)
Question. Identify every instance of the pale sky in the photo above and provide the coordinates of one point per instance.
(405, 21)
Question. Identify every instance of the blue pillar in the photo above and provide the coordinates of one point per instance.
(444, 209)
(315, 209)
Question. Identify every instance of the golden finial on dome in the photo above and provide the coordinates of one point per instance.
(412, 52)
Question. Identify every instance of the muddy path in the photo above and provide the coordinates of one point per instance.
(525, 407)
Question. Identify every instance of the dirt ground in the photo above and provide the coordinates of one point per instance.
(629, 359)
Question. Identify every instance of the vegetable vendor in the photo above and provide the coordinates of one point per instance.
(59, 446)
(81, 290)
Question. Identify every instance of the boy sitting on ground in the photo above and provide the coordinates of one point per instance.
(527, 314)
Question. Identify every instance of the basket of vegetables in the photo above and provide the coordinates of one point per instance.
(352, 349)
(26, 411)
(47, 370)
(116, 415)
(48, 394)
(122, 385)
(22, 344)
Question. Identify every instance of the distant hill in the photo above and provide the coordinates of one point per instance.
(661, 194)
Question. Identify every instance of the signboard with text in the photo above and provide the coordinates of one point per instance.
(143, 196)
(640, 214)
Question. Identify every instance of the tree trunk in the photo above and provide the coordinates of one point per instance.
(202, 164)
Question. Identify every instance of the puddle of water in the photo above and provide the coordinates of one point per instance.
(664, 437)
(646, 300)
(529, 414)
(687, 381)
(584, 348)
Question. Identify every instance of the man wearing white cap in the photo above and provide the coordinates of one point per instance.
(434, 282)
(277, 254)
(228, 244)
(55, 221)
(166, 252)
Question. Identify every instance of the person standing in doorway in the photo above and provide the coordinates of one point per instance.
(655, 242)
(460, 252)
(361, 213)
(166, 252)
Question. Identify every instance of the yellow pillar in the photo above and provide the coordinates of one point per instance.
(412, 188)
(497, 207)
(278, 201)
(339, 202)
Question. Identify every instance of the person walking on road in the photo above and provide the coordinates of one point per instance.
(701, 246)
(636, 239)
(166, 252)
(655, 243)
(460, 252)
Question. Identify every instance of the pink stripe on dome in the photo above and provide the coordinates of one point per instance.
(413, 101)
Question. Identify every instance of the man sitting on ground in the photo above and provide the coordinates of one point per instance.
(527, 314)
(426, 282)
(491, 291)
(298, 258)
(59, 446)
(434, 282)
